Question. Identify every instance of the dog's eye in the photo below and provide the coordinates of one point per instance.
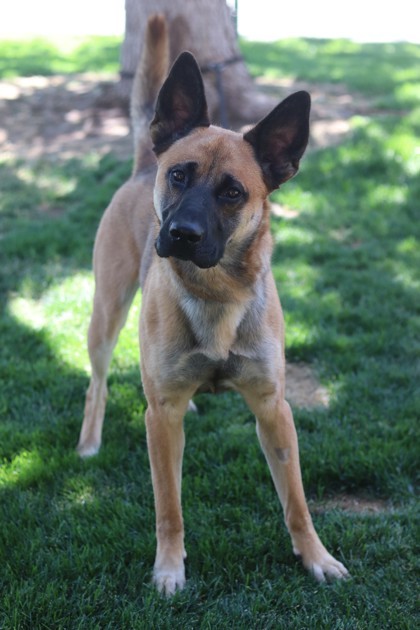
(232, 194)
(178, 176)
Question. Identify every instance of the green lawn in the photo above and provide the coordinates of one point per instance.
(77, 537)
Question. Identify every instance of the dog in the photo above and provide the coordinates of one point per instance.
(191, 227)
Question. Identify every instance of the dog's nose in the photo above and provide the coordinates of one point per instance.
(187, 232)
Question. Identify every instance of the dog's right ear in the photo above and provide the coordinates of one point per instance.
(181, 104)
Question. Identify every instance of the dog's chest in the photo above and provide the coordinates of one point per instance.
(213, 325)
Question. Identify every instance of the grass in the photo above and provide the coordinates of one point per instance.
(46, 57)
(389, 72)
(77, 539)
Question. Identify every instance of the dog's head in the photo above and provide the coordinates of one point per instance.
(211, 183)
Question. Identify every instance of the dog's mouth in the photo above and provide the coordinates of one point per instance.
(193, 251)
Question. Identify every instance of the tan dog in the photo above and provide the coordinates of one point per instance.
(211, 317)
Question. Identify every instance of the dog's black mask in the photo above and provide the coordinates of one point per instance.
(193, 229)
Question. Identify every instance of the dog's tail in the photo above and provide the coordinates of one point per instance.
(150, 74)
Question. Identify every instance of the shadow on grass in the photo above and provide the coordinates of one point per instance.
(49, 215)
(46, 237)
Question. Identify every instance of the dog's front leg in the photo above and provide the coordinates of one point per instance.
(165, 439)
(278, 439)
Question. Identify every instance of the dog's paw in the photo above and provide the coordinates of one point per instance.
(168, 582)
(321, 564)
(327, 568)
(87, 449)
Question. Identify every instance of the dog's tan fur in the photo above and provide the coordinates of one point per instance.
(209, 329)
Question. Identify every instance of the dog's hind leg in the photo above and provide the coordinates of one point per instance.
(103, 334)
(116, 282)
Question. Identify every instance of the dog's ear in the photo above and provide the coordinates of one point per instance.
(280, 139)
(181, 104)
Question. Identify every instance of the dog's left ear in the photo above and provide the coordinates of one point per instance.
(181, 104)
(280, 139)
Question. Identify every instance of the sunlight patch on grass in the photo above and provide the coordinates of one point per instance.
(298, 332)
(78, 491)
(404, 276)
(46, 56)
(298, 279)
(387, 194)
(413, 163)
(294, 196)
(296, 285)
(404, 147)
(63, 312)
(293, 235)
(23, 467)
(408, 93)
(29, 312)
(67, 306)
(395, 135)
(404, 272)
(55, 182)
(409, 245)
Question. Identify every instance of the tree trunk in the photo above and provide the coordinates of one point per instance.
(207, 30)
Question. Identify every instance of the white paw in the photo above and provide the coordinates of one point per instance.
(328, 569)
(169, 581)
(88, 450)
(322, 564)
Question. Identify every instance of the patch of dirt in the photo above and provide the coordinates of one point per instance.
(61, 117)
(303, 388)
(70, 115)
(332, 108)
(65, 116)
(349, 503)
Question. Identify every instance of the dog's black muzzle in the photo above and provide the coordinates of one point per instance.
(192, 230)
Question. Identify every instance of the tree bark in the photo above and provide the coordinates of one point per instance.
(207, 30)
